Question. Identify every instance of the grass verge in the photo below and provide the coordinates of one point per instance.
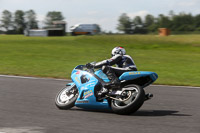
(176, 59)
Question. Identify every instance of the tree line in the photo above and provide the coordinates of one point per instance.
(182, 22)
(17, 22)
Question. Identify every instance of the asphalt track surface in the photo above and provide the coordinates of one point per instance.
(27, 106)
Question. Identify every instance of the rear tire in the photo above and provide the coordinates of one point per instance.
(135, 101)
(66, 97)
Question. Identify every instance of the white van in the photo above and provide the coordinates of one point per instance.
(85, 29)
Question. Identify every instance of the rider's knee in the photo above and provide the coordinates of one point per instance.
(104, 69)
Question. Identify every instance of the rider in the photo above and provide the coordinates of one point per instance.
(123, 62)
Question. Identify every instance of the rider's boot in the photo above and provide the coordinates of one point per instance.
(114, 81)
(114, 84)
(102, 93)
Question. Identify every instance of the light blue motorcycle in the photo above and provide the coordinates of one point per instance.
(84, 91)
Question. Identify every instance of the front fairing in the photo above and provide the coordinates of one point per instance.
(86, 82)
(80, 68)
(77, 76)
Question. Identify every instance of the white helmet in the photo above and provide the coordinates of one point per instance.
(118, 50)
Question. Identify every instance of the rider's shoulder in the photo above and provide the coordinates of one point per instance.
(117, 56)
(127, 56)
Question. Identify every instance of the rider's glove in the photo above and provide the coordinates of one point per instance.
(89, 65)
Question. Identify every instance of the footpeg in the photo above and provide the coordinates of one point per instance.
(103, 91)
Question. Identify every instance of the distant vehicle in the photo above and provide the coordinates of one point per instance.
(85, 29)
(56, 29)
(36, 32)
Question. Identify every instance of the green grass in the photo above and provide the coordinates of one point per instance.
(176, 59)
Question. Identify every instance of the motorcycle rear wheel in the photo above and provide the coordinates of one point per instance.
(66, 97)
(133, 101)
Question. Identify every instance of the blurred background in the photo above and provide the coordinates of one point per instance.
(113, 16)
(49, 38)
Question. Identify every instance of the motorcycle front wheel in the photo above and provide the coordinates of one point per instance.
(130, 101)
(66, 98)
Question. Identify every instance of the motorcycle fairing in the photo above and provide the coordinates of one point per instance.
(102, 75)
(86, 82)
(70, 84)
(136, 75)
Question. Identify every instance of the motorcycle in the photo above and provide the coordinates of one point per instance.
(87, 84)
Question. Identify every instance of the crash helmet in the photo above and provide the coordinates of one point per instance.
(118, 51)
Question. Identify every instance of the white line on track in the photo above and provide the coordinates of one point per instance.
(24, 77)
(177, 86)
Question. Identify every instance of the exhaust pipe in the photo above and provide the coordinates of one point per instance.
(148, 96)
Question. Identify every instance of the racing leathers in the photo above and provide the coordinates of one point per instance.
(124, 63)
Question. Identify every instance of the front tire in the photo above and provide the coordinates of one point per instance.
(133, 101)
(66, 97)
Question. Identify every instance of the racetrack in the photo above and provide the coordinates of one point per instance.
(27, 106)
